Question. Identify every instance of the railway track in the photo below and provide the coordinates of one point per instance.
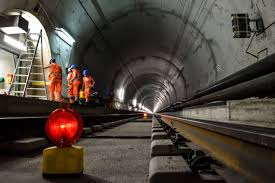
(246, 149)
(34, 126)
(181, 149)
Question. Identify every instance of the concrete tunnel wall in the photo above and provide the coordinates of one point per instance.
(161, 51)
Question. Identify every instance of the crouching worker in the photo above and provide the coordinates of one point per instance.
(88, 82)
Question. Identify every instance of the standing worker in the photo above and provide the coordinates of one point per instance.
(55, 78)
(75, 81)
(70, 85)
(88, 82)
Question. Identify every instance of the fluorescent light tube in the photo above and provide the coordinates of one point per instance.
(14, 43)
(65, 36)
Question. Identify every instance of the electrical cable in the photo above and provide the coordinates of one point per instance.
(257, 34)
(197, 17)
(114, 52)
(250, 42)
(267, 27)
(48, 17)
(179, 36)
(195, 21)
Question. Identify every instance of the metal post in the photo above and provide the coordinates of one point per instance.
(42, 61)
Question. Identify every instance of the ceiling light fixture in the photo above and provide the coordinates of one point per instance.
(15, 43)
(120, 94)
(134, 102)
(65, 36)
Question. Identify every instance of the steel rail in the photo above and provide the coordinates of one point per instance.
(249, 151)
(34, 126)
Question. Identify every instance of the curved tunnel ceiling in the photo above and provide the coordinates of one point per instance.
(155, 51)
(144, 52)
(159, 52)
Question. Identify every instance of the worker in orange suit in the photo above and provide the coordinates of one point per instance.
(55, 79)
(75, 81)
(70, 85)
(88, 82)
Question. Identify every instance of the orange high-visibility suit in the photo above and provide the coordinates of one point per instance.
(88, 82)
(55, 78)
(76, 82)
(70, 87)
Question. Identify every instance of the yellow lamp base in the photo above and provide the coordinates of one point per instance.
(62, 161)
(81, 94)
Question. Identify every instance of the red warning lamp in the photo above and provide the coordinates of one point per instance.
(64, 127)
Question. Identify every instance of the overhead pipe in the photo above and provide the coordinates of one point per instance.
(263, 86)
(260, 68)
(256, 70)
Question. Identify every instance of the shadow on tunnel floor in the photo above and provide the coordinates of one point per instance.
(10, 156)
(81, 179)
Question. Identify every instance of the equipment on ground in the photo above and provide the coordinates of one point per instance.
(64, 127)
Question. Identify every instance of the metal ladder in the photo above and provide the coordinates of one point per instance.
(29, 76)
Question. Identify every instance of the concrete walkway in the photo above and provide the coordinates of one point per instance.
(128, 130)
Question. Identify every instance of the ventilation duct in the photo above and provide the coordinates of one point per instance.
(14, 24)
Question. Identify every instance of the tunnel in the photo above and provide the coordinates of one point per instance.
(190, 65)
(163, 52)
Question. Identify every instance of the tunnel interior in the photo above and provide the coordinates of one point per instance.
(153, 53)
(206, 80)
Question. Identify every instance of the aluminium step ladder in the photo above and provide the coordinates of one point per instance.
(29, 76)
